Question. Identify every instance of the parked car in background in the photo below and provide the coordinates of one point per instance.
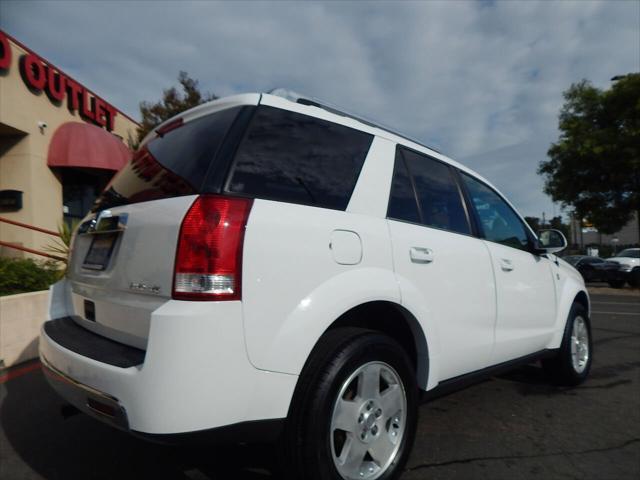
(629, 271)
(592, 269)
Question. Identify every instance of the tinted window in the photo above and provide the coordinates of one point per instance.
(573, 260)
(499, 222)
(592, 260)
(438, 194)
(629, 253)
(172, 165)
(402, 200)
(290, 157)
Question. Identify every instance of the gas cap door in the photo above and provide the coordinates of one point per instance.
(346, 247)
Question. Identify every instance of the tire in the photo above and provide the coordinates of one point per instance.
(565, 368)
(335, 416)
(634, 278)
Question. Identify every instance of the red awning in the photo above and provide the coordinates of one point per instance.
(76, 144)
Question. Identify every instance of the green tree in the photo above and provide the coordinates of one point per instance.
(557, 224)
(173, 102)
(594, 167)
(534, 223)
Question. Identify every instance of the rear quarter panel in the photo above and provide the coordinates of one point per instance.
(293, 289)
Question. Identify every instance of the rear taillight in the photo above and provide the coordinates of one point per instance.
(209, 256)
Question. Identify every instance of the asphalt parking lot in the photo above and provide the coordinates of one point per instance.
(512, 426)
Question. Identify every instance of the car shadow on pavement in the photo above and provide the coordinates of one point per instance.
(527, 375)
(532, 380)
(43, 436)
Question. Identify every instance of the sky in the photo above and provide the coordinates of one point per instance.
(480, 81)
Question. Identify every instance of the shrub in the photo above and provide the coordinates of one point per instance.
(21, 275)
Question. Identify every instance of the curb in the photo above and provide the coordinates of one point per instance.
(622, 292)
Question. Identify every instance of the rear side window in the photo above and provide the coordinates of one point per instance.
(295, 158)
(172, 165)
(439, 204)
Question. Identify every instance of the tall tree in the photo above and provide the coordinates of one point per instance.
(594, 167)
(534, 223)
(557, 224)
(173, 102)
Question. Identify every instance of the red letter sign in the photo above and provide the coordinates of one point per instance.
(55, 89)
(33, 72)
(5, 52)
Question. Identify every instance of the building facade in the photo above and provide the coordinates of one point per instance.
(60, 144)
(585, 235)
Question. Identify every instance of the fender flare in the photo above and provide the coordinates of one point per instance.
(321, 308)
(571, 291)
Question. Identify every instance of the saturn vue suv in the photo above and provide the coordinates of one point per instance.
(267, 267)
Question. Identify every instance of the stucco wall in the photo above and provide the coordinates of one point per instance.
(20, 319)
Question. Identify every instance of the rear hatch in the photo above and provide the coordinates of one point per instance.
(122, 259)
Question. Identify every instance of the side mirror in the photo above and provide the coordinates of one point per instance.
(551, 241)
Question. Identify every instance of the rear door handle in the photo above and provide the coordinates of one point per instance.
(506, 264)
(421, 255)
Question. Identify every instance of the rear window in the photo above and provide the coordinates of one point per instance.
(291, 157)
(172, 165)
(630, 253)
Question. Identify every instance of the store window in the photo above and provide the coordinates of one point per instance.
(80, 188)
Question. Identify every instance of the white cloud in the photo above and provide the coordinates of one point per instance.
(467, 77)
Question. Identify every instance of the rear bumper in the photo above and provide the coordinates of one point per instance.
(196, 375)
(106, 408)
(89, 400)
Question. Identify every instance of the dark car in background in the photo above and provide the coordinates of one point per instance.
(593, 269)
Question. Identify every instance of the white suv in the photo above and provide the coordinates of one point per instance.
(268, 267)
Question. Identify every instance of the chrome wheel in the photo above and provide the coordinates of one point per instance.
(368, 422)
(579, 345)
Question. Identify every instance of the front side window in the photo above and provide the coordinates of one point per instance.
(291, 157)
(499, 222)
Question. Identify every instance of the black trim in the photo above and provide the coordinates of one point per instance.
(218, 172)
(400, 154)
(458, 383)
(472, 214)
(68, 334)
(256, 431)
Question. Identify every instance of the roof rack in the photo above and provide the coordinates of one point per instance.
(313, 102)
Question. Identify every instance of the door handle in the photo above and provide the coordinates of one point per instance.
(421, 255)
(506, 264)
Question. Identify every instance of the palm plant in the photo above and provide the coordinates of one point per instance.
(62, 245)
